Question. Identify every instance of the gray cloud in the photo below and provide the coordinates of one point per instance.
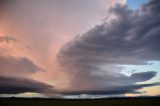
(11, 85)
(118, 90)
(10, 65)
(114, 85)
(143, 76)
(132, 38)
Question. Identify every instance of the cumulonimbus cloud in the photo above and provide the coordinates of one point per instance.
(132, 38)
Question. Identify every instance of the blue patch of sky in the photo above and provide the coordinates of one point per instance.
(135, 4)
(150, 66)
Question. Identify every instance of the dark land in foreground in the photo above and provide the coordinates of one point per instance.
(140, 101)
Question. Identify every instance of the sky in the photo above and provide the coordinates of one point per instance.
(79, 48)
(136, 4)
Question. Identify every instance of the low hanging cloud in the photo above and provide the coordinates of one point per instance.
(13, 85)
(92, 59)
(114, 91)
(12, 66)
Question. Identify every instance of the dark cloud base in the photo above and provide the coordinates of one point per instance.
(11, 85)
(115, 91)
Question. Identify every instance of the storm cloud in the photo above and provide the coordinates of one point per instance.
(132, 38)
(12, 85)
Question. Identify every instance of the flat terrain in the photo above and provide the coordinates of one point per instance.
(84, 102)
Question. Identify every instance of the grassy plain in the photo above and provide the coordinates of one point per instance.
(81, 102)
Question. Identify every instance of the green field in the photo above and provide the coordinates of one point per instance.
(94, 102)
